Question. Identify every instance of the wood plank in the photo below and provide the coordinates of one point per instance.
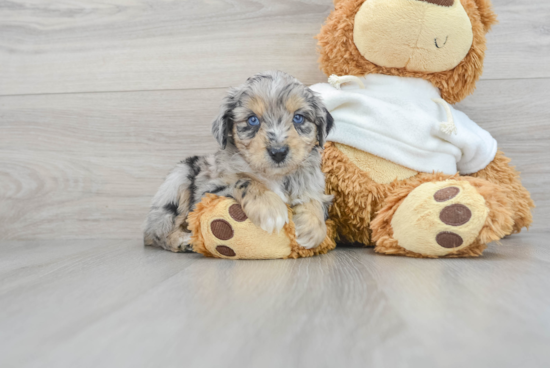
(83, 281)
(519, 46)
(520, 124)
(85, 166)
(118, 45)
(115, 304)
(121, 45)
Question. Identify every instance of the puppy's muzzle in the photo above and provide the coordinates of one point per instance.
(278, 154)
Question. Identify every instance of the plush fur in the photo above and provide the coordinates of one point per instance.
(245, 241)
(340, 56)
(249, 167)
(363, 208)
(357, 197)
(508, 179)
(498, 224)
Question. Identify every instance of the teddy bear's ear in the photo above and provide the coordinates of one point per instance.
(336, 2)
(486, 13)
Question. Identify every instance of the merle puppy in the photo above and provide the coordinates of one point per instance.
(271, 131)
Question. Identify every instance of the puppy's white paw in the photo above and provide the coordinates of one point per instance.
(268, 211)
(178, 241)
(310, 230)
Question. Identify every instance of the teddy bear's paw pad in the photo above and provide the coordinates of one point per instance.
(455, 215)
(229, 233)
(236, 212)
(439, 218)
(225, 251)
(221, 229)
(446, 194)
(449, 240)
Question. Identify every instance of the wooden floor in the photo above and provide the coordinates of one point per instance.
(99, 99)
(112, 303)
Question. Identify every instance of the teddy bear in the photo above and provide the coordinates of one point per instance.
(410, 174)
(221, 229)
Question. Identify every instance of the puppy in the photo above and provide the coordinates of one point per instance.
(271, 131)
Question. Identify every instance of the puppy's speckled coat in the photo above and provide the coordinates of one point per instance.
(265, 165)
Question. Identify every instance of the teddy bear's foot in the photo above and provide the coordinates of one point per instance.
(446, 218)
(439, 218)
(221, 229)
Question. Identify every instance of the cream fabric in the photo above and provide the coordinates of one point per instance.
(416, 222)
(396, 118)
(249, 241)
(414, 35)
(380, 170)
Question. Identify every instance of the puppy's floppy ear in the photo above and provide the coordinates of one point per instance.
(221, 128)
(223, 125)
(325, 122)
(330, 122)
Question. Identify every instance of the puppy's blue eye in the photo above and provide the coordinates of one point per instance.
(298, 119)
(253, 120)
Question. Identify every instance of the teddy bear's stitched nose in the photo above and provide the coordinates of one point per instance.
(440, 2)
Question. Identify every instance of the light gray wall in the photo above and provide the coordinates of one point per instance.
(99, 99)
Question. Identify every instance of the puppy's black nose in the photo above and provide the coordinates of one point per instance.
(278, 154)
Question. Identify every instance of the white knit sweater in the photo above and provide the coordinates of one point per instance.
(397, 119)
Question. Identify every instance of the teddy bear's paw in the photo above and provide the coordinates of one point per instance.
(440, 218)
(227, 232)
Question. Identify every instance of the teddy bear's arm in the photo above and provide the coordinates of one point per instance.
(500, 172)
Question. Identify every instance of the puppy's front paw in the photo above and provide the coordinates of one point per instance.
(268, 211)
(310, 230)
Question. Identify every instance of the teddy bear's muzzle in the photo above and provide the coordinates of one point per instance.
(440, 2)
(419, 36)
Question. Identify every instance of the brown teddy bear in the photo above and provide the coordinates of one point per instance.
(410, 174)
